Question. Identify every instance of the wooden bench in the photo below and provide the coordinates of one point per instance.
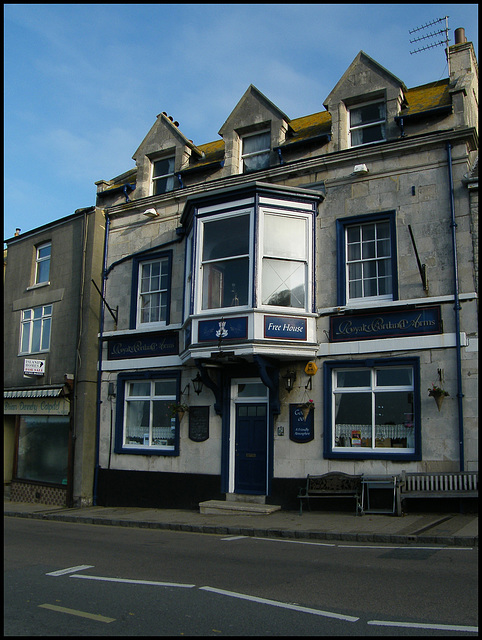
(332, 485)
(457, 484)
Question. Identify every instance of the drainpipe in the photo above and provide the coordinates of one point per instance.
(460, 395)
(99, 360)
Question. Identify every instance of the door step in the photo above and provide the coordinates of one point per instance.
(229, 507)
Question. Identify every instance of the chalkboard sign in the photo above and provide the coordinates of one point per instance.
(198, 423)
(301, 430)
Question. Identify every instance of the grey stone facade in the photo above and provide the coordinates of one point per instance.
(322, 178)
(50, 418)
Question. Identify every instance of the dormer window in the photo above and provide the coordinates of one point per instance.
(162, 176)
(367, 123)
(255, 153)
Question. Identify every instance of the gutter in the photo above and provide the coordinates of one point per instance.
(460, 395)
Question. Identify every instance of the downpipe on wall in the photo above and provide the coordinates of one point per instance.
(99, 361)
(460, 395)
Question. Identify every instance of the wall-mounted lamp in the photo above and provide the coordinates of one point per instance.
(197, 383)
(289, 380)
(150, 213)
(360, 170)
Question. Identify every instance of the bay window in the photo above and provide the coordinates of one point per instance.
(145, 421)
(226, 261)
(285, 261)
(372, 409)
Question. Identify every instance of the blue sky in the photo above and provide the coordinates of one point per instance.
(84, 83)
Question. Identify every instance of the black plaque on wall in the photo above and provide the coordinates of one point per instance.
(198, 423)
(301, 430)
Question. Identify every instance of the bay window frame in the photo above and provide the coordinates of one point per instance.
(306, 260)
(201, 264)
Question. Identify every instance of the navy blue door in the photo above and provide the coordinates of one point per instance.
(251, 450)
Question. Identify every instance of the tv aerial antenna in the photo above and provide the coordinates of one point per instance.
(437, 32)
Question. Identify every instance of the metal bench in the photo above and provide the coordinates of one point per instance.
(332, 485)
(457, 484)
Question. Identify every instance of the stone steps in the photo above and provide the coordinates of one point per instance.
(231, 507)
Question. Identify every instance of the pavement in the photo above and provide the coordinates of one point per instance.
(442, 529)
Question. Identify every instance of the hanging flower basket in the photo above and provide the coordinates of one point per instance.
(438, 394)
(178, 409)
(306, 407)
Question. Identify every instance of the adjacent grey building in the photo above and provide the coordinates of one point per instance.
(51, 325)
(290, 299)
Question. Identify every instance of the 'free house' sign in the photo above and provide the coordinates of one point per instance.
(285, 328)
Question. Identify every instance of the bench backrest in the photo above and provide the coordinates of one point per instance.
(334, 481)
(445, 481)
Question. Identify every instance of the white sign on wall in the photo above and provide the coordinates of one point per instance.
(34, 367)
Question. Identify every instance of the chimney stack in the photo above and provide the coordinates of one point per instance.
(460, 36)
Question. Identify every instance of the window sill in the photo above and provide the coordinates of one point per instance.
(147, 451)
(39, 285)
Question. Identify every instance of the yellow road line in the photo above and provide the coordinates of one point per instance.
(74, 612)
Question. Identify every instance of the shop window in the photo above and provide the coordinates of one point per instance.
(35, 329)
(162, 176)
(372, 409)
(43, 449)
(42, 263)
(367, 266)
(255, 151)
(151, 291)
(367, 124)
(145, 421)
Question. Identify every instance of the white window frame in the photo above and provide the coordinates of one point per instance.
(307, 260)
(253, 154)
(151, 398)
(365, 261)
(375, 123)
(39, 260)
(27, 323)
(395, 431)
(161, 322)
(199, 284)
(165, 176)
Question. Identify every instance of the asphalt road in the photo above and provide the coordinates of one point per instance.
(78, 579)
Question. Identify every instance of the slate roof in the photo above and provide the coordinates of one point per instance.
(424, 98)
(419, 99)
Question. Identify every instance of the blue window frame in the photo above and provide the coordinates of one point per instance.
(151, 290)
(366, 258)
(144, 421)
(372, 409)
